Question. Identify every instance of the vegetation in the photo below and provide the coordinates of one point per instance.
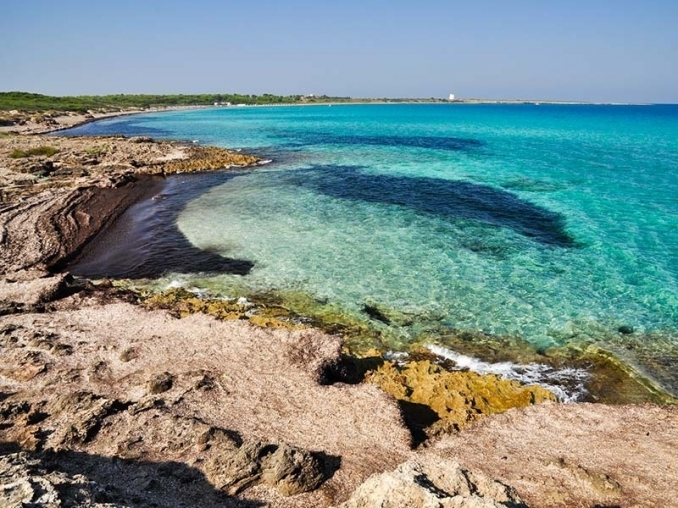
(24, 101)
(32, 102)
(97, 150)
(47, 151)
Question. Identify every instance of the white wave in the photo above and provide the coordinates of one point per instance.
(245, 302)
(567, 384)
(396, 356)
(264, 162)
(199, 292)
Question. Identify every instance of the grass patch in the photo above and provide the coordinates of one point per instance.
(97, 151)
(47, 151)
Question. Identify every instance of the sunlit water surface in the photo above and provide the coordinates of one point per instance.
(557, 224)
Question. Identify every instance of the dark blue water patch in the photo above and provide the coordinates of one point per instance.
(439, 197)
(146, 243)
(428, 142)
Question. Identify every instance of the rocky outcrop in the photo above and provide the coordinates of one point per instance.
(291, 470)
(445, 401)
(201, 158)
(446, 485)
(241, 406)
(55, 204)
(24, 481)
(574, 455)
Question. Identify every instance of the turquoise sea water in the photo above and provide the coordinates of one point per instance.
(554, 223)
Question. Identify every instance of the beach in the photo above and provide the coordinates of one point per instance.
(244, 402)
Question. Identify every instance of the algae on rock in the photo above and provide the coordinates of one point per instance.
(457, 398)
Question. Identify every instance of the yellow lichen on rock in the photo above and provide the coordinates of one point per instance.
(203, 158)
(458, 398)
(184, 303)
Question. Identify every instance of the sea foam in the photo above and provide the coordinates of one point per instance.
(568, 384)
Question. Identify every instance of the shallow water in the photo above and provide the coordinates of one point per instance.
(558, 224)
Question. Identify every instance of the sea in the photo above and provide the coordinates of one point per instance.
(554, 224)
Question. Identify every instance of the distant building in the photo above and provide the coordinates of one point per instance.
(451, 98)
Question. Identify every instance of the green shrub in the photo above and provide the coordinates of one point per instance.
(48, 151)
(97, 151)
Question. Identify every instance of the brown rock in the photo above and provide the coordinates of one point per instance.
(291, 470)
(30, 365)
(84, 413)
(160, 383)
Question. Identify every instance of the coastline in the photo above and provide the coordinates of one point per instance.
(99, 309)
(56, 122)
(60, 121)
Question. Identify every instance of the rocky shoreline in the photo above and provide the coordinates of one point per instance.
(181, 401)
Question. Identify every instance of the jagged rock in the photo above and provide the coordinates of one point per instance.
(8, 308)
(455, 398)
(289, 469)
(24, 482)
(85, 412)
(27, 365)
(447, 485)
(318, 358)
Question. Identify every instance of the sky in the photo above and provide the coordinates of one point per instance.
(582, 50)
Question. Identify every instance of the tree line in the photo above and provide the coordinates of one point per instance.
(25, 101)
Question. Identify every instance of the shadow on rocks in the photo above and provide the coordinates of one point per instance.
(80, 479)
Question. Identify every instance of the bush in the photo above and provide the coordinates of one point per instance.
(47, 151)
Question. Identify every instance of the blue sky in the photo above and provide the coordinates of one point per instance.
(594, 50)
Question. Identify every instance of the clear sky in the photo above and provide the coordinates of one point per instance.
(592, 50)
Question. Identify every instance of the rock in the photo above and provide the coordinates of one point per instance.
(318, 357)
(25, 482)
(28, 365)
(291, 470)
(8, 308)
(375, 313)
(447, 485)
(85, 412)
(626, 330)
(129, 354)
(160, 383)
(457, 398)
(141, 139)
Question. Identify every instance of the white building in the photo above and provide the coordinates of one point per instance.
(451, 97)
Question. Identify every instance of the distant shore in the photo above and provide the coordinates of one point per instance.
(42, 121)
